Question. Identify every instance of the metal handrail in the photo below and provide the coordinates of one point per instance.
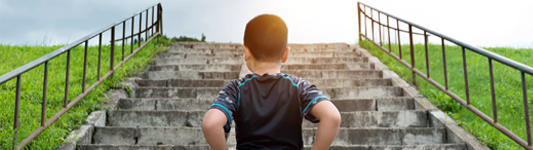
(478, 50)
(524, 69)
(10, 75)
(46, 58)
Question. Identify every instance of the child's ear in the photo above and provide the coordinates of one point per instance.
(285, 55)
(247, 53)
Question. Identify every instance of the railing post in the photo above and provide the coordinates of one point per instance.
(158, 20)
(17, 108)
(65, 101)
(366, 34)
(444, 64)
(151, 25)
(99, 55)
(388, 32)
(123, 38)
(161, 23)
(45, 88)
(132, 33)
(146, 27)
(140, 29)
(112, 54)
(379, 28)
(372, 19)
(399, 42)
(359, 19)
(84, 67)
(526, 109)
(492, 92)
(412, 54)
(467, 91)
(427, 55)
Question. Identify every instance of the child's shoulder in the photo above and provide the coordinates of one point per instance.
(294, 79)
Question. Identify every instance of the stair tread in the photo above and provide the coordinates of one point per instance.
(350, 99)
(175, 135)
(454, 146)
(194, 118)
(343, 105)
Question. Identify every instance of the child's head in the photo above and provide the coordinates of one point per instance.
(265, 39)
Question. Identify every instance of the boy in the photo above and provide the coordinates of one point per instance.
(268, 106)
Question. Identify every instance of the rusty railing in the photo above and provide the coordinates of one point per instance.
(524, 69)
(17, 73)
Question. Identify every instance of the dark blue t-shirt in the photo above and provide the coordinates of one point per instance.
(268, 109)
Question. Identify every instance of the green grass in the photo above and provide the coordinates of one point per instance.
(507, 86)
(14, 56)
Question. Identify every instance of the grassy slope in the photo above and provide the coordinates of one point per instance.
(507, 86)
(13, 56)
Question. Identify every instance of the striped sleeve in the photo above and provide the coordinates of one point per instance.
(310, 95)
(227, 102)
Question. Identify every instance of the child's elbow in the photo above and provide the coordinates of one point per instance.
(335, 118)
(208, 125)
(332, 118)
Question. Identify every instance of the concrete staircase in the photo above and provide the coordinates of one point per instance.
(166, 110)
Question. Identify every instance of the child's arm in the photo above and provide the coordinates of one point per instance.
(212, 126)
(217, 120)
(330, 120)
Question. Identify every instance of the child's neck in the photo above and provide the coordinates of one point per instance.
(264, 67)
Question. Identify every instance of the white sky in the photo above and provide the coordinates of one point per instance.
(478, 22)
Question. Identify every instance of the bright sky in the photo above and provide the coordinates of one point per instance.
(477, 22)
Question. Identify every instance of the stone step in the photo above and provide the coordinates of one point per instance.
(306, 74)
(212, 92)
(362, 92)
(351, 82)
(336, 74)
(162, 118)
(212, 60)
(374, 104)
(240, 50)
(390, 136)
(197, 55)
(224, 82)
(318, 45)
(141, 147)
(196, 67)
(190, 75)
(183, 82)
(194, 136)
(176, 92)
(326, 60)
(340, 66)
(238, 45)
(325, 54)
(327, 49)
(205, 45)
(239, 60)
(458, 146)
(453, 146)
(241, 54)
(184, 118)
(204, 50)
(284, 67)
(370, 119)
(164, 104)
(344, 105)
